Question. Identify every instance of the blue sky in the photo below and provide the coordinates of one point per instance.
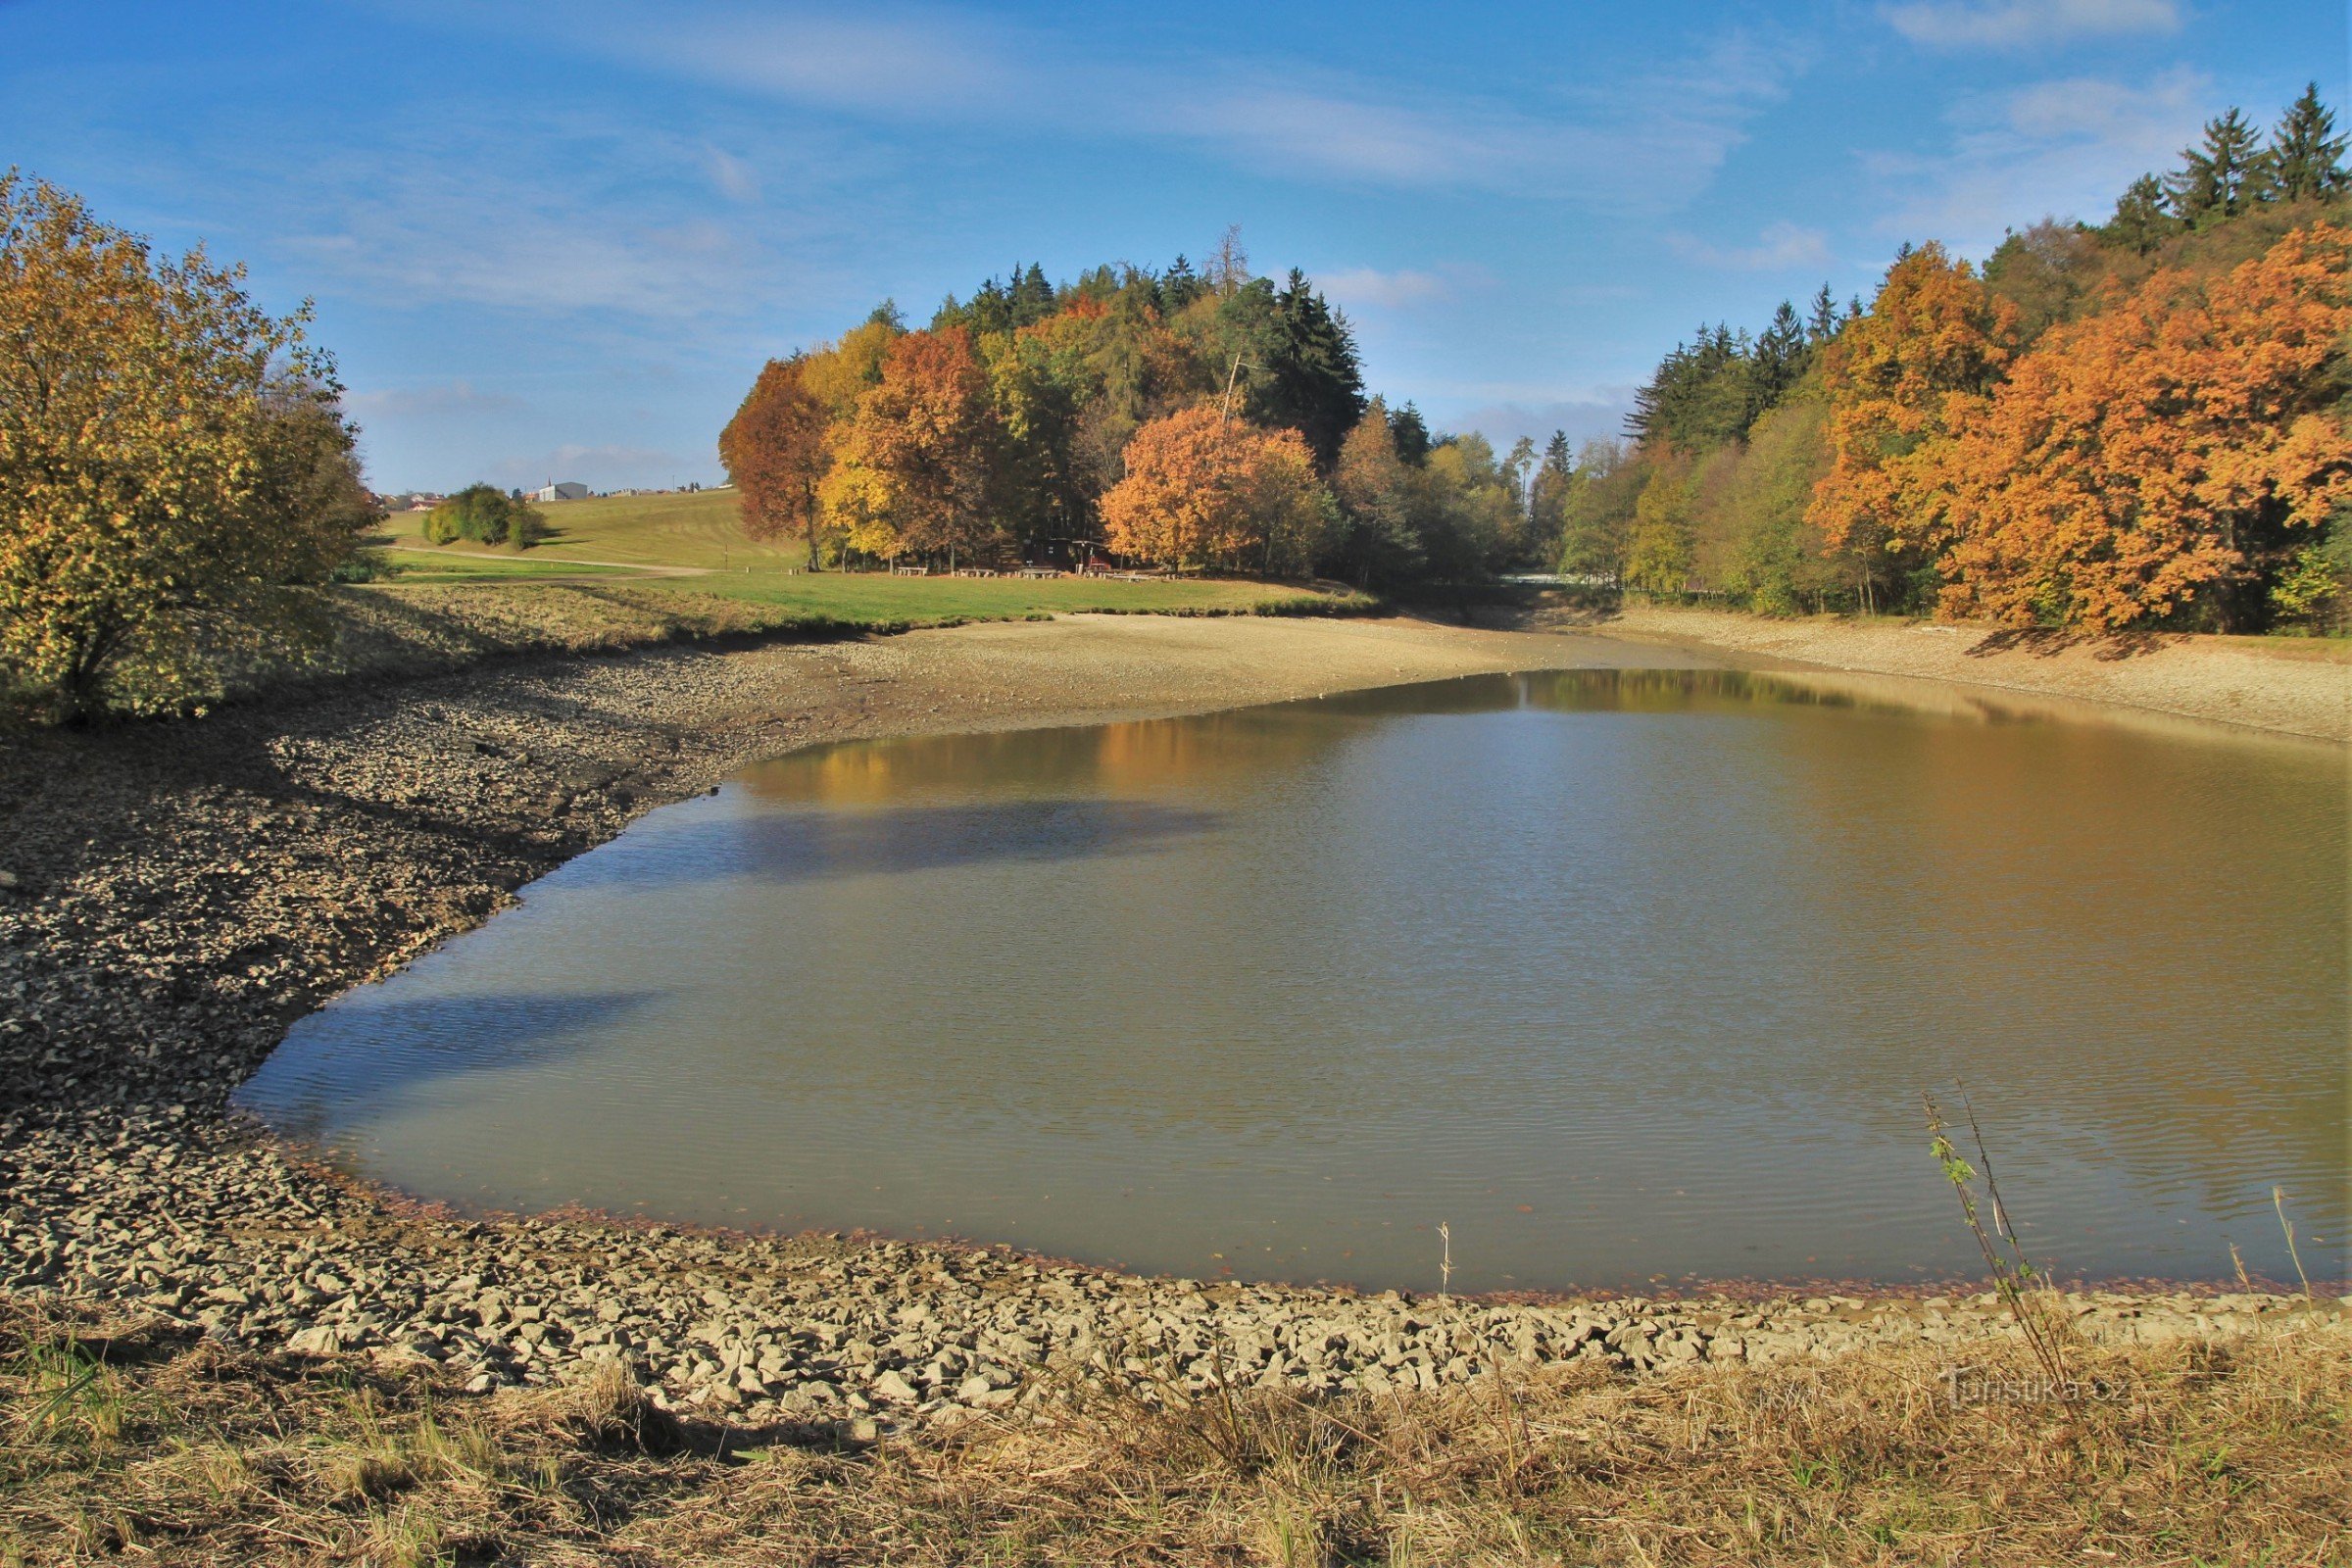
(560, 239)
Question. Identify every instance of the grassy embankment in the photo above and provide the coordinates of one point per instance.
(130, 1444)
(627, 572)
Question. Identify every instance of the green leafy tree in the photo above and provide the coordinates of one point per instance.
(485, 515)
(1597, 510)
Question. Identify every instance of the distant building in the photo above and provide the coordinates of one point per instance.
(567, 491)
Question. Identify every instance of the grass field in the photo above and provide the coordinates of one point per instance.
(694, 544)
(701, 529)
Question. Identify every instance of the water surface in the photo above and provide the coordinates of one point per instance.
(1624, 975)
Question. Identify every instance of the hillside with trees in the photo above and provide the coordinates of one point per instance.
(2134, 424)
(1206, 420)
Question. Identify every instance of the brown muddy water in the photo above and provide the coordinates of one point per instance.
(1625, 977)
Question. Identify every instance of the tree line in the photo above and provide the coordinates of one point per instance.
(1209, 419)
(2136, 423)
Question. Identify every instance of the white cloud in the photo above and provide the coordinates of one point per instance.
(1782, 247)
(2064, 147)
(2020, 23)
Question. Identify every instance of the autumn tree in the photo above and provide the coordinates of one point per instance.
(916, 462)
(1206, 489)
(174, 459)
(2163, 454)
(1374, 488)
(1658, 553)
(777, 450)
(1921, 362)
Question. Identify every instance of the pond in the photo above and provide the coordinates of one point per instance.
(1626, 977)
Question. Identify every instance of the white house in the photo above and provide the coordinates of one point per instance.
(567, 491)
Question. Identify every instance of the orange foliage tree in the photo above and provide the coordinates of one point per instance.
(1920, 364)
(776, 450)
(2160, 452)
(916, 465)
(1204, 489)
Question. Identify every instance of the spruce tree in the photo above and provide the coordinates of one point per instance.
(2142, 219)
(2221, 177)
(1822, 324)
(1411, 434)
(2305, 157)
(1781, 357)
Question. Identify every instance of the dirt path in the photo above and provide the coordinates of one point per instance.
(2291, 687)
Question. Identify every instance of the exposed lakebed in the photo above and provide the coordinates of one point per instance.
(1620, 974)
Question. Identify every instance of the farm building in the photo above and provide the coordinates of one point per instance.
(567, 491)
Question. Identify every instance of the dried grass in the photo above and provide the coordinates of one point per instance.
(121, 1441)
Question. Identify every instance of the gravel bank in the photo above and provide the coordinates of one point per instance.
(2285, 685)
(172, 896)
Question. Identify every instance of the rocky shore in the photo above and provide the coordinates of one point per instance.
(172, 896)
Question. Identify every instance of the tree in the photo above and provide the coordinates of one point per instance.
(1658, 556)
(1822, 322)
(1782, 356)
(2047, 270)
(777, 452)
(1597, 512)
(1208, 489)
(2143, 219)
(2163, 456)
(486, 516)
(1918, 364)
(2306, 156)
(1306, 375)
(1374, 487)
(173, 459)
(2220, 177)
(1547, 498)
(1775, 559)
(1411, 434)
(916, 469)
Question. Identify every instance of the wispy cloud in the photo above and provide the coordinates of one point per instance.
(2062, 147)
(1782, 247)
(1369, 287)
(2022, 23)
(730, 176)
(442, 400)
(1641, 140)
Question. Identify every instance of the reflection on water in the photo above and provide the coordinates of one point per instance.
(1623, 974)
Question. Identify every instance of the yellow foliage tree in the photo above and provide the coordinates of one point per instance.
(915, 465)
(171, 459)
(1205, 489)
(1919, 364)
(2164, 452)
